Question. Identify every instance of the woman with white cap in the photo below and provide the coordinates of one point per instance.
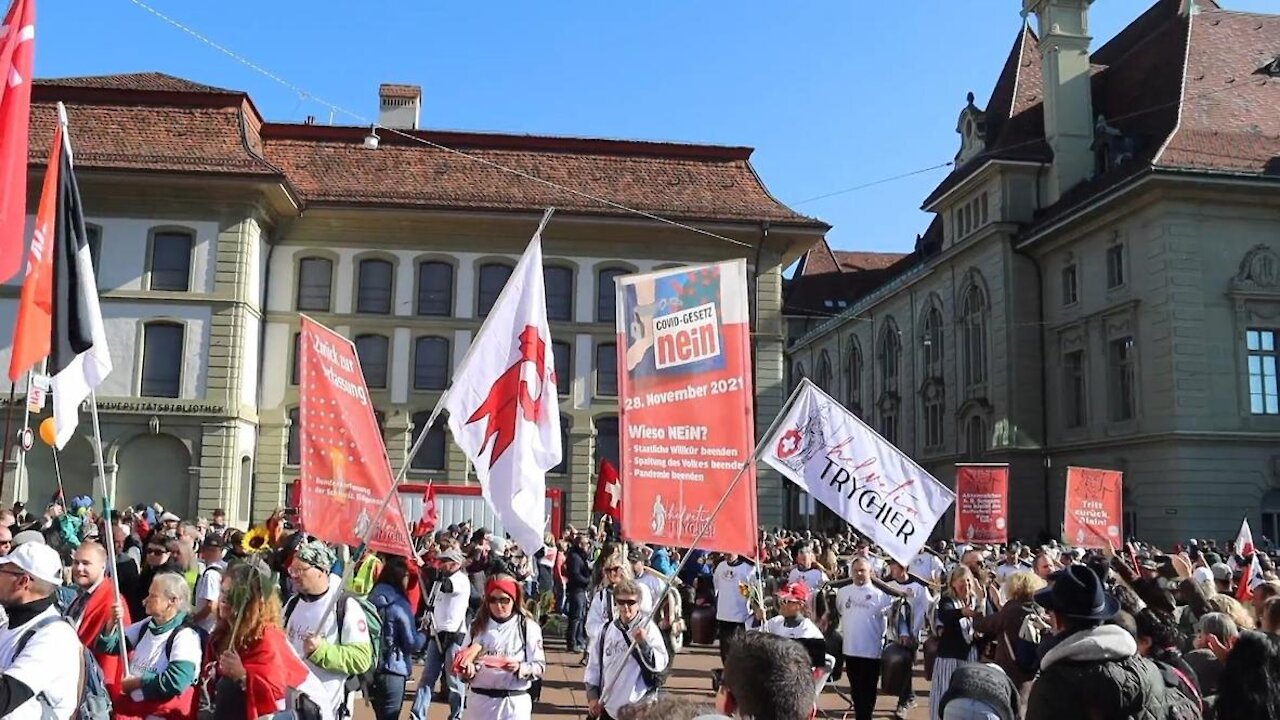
(502, 655)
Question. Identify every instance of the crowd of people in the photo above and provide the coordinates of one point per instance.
(177, 619)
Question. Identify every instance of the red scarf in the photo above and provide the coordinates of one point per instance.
(271, 667)
(93, 622)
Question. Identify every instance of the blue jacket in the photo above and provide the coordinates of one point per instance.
(662, 561)
(400, 636)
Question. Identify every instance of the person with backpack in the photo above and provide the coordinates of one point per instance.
(447, 603)
(1015, 655)
(40, 668)
(619, 673)
(92, 612)
(400, 639)
(165, 653)
(503, 659)
(208, 592)
(329, 627)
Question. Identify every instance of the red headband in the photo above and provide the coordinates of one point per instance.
(506, 585)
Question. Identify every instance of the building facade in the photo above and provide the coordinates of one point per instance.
(1098, 287)
(216, 229)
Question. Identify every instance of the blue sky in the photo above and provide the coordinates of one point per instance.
(831, 93)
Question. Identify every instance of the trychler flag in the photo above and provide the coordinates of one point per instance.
(844, 464)
(17, 65)
(503, 408)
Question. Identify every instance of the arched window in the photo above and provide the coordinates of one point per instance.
(797, 374)
(493, 277)
(430, 363)
(933, 389)
(558, 282)
(315, 284)
(932, 342)
(975, 437)
(973, 319)
(890, 357)
(293, 446)
(372, 352)
(375, 287)
(162, 356)
(565, 449)
(853, 381)
(607, 440)
(170, 262)
(432, 454)
(607, 369)
(822, 376)
(606, 298)
(563, 353)
(435, 288)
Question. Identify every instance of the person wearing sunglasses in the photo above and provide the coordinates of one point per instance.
(794, 622)
(613, 569)
(159, 555)
(504, 660)
(627, 657)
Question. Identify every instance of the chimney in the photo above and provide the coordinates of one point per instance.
(1068, 103)
(399, 105)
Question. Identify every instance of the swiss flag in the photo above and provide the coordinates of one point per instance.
(608, 498)
(430, 514)
(17, 63)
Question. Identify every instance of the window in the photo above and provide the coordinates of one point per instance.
(607, 369)
(315, 283)
(975, 437)
(933, 400)
(974, 326)
(932, 341)
(431, 363)
(1075, 399)
(435, 289)
(823, 374)
(982, 201)
(1115, 266)
(563, 354)
(607, 440)
(606, 298)
(889, 425)
(1121, 360)
(162, 360)
(171, 261)
(797, 374)
(559, 287)
(297, 359)
(854, 396)
(493, 277)
(890, 355)
(293, 452)
(93, 235)
(372, 353)
(374, 292)
(431, 456)
(565, 449)
(1263, 396)
(1070, 285)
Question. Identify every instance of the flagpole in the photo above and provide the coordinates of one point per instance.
(57, 473)
(8, 433)
(108, 504)
(706, 526)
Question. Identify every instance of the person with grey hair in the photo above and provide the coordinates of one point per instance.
(164, 652)
(1203, 660)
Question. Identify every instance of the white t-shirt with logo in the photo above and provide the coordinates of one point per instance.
(49, 664)
(731, 606)
(449, 609)
(148, 654)
(927, 565)
(304, 620)
(209, 589)
(864, 610)
(804, 630)
(813, 578)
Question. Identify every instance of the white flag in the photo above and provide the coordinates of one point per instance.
(503, 408)
(845, 465)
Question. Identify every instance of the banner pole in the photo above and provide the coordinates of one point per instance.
(108, 504)
(702, 532)
(8, 432)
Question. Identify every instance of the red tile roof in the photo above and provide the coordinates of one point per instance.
(155, 122)
(821, 259)
(827, 280)
(413, 92)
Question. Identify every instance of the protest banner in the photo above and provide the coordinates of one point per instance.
(1094, 506)
(982, 503)
(685, 390)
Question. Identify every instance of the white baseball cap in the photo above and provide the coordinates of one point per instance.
(37, 560)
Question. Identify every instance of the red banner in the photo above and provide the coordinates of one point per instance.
(684, 385)
(345, 470)
(1095, 503)
(982, 504)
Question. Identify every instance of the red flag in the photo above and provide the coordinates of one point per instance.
(608, 498)
(430, 515)
(1250, 578)
(346, 474)
(982, 503)
(34, 326)
(17, 63)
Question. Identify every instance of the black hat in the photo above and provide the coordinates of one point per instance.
(211, 542)
(1077, 592)
(986, 684)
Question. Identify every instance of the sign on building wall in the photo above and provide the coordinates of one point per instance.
(982, 503)
(1095, 503)
(684, 370)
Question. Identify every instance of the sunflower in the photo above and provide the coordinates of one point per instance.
(256, 540)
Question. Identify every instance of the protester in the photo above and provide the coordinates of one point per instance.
(578, 582)
(1214, 628)
(1006, 625)
(39, 652)
(600, 612)
(208, 589)
(92, 612)
(502, 656)
(766, 676)
(1250, 682)
(958, 608)
(732, 575)
(863, 607)
(164, 653)
(400, 640)
(979, 691)
(161, 556)
(920, 602)
(447, 603)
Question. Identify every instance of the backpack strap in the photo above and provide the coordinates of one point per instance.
(26, 636)
(186, 624)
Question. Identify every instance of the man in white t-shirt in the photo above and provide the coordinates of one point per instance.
(732, 609)
(911, 633)
(333, 653)
(447, 604)
(209, 585)
(41, 680)
(1011, 564)
(809, 573)
(864, 607)
(927, 566)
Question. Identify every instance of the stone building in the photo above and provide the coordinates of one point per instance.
(1099, 284)
(216, 228)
